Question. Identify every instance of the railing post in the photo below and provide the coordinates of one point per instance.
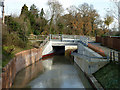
(61, 37)
(113, 56)
(89, 69)
(75, 38)
(50, 36)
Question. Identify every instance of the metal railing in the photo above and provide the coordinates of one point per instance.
(45, 41)
(38, 37)
(61, 37)
(114, 55)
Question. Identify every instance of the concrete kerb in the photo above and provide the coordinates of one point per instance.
(94, 82)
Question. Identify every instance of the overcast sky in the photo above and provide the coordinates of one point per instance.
(14, 6)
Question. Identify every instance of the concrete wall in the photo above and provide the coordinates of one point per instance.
(20, 61)
(85, 61)
(47, 48)
(87, 51)
(88, 67)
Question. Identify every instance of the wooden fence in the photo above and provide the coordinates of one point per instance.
(111, 42)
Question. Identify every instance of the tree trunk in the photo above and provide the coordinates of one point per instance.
(51, 23)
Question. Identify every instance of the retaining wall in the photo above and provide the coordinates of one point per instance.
(48, 50)
(20, 61)
(85, 59)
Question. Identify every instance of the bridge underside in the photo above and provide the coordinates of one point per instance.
(61, 47)
(59, 43)
(59, 50)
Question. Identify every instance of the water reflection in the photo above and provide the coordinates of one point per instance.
(55, 72)
(58, 79)
(47, 63)
(27, 74)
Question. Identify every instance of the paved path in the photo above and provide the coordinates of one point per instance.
(106, 49)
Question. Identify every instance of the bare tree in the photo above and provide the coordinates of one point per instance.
(115, 11)
(56, 10)
(72, 10)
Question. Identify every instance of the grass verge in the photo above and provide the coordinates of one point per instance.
(108, 76)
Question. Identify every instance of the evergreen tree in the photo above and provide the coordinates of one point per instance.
(41, 13)
(24, 10)
(34, 11)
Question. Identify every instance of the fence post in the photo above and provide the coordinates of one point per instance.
(111, 56)
(108, 57)
(119, 57)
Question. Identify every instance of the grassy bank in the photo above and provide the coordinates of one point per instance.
(8, 52)
(108, 76)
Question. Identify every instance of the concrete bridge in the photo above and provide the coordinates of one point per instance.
(59, 40)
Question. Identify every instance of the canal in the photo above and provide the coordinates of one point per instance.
(53, 72)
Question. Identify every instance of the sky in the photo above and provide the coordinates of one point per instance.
(14, 6)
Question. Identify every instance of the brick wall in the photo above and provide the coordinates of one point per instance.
(20, 61)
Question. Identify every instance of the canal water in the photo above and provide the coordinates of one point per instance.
(53, 72)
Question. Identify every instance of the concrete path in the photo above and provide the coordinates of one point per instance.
(106, 49)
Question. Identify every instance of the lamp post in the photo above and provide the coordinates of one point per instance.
(2, 5)
(119, 15)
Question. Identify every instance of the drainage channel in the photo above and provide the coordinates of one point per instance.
(52, 72)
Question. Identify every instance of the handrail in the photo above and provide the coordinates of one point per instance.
(90, 58)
